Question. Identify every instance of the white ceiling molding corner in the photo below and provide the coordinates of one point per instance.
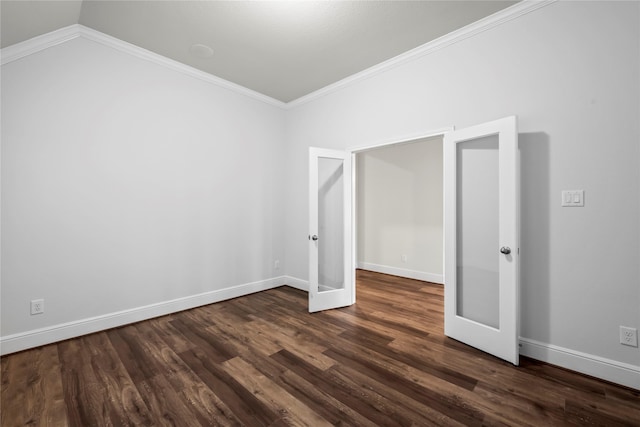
(45, 41)
(498, 18)
(131, 49)
(38, 43)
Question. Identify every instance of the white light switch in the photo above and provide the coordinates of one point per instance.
(573, 198)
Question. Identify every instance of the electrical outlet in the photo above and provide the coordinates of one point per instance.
(628, 336)
(37, 306)
(276, 264)
(404, 258)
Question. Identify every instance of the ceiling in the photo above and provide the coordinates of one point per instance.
(282, 49)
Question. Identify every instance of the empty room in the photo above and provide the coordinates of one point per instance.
(320, 213)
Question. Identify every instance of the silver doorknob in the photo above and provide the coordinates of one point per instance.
(505, 250)
(314, 237)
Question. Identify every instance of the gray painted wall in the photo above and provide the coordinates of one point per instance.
(126, 184)
(569, 71)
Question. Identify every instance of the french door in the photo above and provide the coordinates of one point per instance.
(481, 203)
(481, 228)
(331, 269)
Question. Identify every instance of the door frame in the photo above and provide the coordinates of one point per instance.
(355, 209)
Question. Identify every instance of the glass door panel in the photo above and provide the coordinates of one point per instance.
(477, 230)
(330, 224)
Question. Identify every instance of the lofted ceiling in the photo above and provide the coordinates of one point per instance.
(282, 49)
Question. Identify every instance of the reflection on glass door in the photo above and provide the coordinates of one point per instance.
(331, 269)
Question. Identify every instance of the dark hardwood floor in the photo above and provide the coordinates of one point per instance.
(263, 360)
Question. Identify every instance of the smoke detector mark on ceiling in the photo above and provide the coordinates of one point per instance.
(201, 51)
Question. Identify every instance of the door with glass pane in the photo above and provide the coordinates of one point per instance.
(331, 273)
(481, 175)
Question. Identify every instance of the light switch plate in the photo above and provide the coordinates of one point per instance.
(572, 198)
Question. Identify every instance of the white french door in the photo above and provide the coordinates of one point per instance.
(331, 270)
(481, 209)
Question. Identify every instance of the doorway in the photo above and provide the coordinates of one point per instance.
(399, 209)
(464, 164)
(465, 152)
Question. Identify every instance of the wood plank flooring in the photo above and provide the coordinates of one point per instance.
(263, 360)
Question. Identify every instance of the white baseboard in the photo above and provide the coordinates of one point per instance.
(296, 283)
(599, 367)
(402, 272)
(34, 338)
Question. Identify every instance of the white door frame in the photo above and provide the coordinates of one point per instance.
(441, 132)
(354, 212)
(351, 152)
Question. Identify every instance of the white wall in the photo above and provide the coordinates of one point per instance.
(570, 72)
(126, 184)
(399, 207)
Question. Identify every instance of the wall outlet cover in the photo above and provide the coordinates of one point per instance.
(628, 336)
(37, 306)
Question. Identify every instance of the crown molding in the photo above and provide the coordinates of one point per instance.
(36, 44)
(519, 9)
